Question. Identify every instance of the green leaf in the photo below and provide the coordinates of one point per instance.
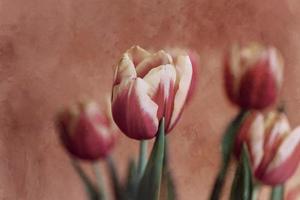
(277, 192)
(149, 186)
(227, 147)
(89, 186)
(168, 190)
(242, 186)
(116, 185)
(101, 189)
(142, 157)
(132, 181)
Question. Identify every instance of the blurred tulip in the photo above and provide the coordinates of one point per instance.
(274, 149)
(148, 87)
(253, 76)
(86, 131)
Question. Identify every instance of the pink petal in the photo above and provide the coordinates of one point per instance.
(195, 60)
(86, 132)
(155, 60)
(161, 81)
(258, 87)
(286, 160)
(124, 70)
(255, 140)
(137, 54)
(276, 64)
(276, 128)
(133, 110)
(184, 70)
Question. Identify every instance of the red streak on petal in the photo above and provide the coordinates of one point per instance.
(129, 112)
(284, 171)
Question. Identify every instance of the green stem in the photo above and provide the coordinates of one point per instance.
(142, 157)
(255, 191)
(89, 186)
(227, 147)
(114, 177)
(96, 169)
(242, 186)
(277, 192)
(149, 185)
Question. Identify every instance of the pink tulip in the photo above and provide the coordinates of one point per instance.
(147, 87)
(253, 76)
(86, 131)
(274, 149)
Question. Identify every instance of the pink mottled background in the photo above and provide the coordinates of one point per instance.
(54, 52)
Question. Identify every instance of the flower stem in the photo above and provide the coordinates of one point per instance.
(89, 186)
(142, 157)
(277, 192)
(96, 169)
(255, 191)
(227, 147)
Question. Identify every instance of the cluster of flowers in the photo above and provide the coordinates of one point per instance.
(149, 93)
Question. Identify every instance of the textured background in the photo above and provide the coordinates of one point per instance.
(54, 52)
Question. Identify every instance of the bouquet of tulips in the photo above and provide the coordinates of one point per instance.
(148, 95)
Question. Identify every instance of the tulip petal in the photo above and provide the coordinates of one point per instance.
(276, 65)
(86, 134)
(184, 70)
(286, 160)
(276, 128)
(133, 110)
(258, 87)
(195, 60)
(157, 59)
(124, 70)
(161, 81)
(256, 140)
(137, 54)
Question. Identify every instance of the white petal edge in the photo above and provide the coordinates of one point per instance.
(285, 149)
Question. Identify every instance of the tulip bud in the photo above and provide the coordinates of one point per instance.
(274, 149)
(86, 132)
(253, 76)
(147, 87)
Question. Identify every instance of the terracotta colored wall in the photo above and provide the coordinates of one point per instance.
(54, 52)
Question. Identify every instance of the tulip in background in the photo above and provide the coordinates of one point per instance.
(89, 134)
(273, 147)
(253, 75)
(86, 131)
(252, 80)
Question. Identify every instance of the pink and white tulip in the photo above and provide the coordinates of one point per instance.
(147, 87)
(273, 147)
(86, 131)
(253, 76)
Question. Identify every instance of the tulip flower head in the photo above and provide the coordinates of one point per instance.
(273, 147)
(86, 131)
(147, 87)
(253, 76)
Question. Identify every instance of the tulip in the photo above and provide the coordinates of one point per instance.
(147, 87)
(273, 147)
(253, 76)
(86, 132)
